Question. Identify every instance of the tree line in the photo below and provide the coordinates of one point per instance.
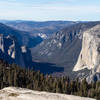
(13, 75)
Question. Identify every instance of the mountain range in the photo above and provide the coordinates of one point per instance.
(72, 49)
(33, 27)
(23, 37)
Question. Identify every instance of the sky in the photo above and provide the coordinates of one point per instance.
(43, 10)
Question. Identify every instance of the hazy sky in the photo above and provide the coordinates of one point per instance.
(40, 10)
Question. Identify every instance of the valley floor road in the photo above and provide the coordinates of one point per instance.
(12, 93)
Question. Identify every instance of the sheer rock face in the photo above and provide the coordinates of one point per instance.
(9, 47)
(90, 54)
(12, 52)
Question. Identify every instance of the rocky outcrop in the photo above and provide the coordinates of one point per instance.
(12, 93)
(26, 53)
(90, 54)
(10, 48)
(12, 52)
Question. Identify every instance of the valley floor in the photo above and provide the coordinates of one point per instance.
(12, 93)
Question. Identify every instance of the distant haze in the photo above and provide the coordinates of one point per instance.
(43, 10)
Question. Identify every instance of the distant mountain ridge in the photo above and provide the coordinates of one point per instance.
(57, 54)
(64, 47)
(35, 30)
(23, 37)
(35, 27)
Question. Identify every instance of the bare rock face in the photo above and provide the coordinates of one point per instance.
(90, 54)
(10, 50)
(12, 93)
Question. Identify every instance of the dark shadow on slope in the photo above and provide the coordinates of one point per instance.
(6, 57)
(47, 68)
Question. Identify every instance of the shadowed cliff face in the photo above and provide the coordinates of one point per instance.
(12, 52)
(10, 48)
